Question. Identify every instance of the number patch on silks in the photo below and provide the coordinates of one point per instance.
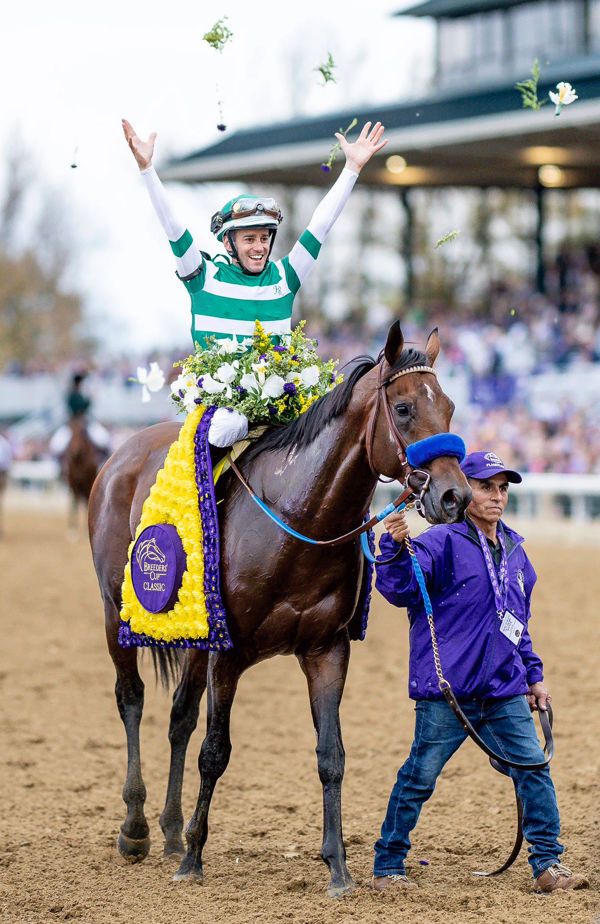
(158, 562)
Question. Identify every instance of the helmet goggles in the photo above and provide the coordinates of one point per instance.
(243, 208)
(246, 210)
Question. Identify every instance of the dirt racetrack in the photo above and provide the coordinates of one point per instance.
(63, 768)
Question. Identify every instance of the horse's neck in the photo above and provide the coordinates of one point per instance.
(330, 478)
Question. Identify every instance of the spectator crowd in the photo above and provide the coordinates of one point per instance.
(500, 347)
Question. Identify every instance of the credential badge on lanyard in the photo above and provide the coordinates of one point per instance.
(498, 581)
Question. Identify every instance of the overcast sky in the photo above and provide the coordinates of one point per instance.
(72, 70)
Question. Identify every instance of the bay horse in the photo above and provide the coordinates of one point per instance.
(281, 596)
(80, 464)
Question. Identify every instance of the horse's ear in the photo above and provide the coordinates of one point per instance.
(432, 347)
(394, 344)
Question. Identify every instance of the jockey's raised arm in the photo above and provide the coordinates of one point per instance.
(303, 255)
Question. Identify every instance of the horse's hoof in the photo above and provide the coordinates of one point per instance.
(131, 849)
(338, 891)
(188, 871)
(174, 850)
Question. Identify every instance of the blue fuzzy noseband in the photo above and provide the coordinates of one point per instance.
(441, 444)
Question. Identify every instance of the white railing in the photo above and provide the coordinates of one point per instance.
(575, 497)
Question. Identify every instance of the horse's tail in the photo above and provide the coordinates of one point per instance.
(167, 665)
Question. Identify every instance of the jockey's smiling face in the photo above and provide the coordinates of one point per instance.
(253, 246)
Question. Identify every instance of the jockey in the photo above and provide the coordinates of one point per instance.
(221, 288)
(77, 406)
(231, 291)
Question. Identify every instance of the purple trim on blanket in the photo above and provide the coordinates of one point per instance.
(218, 634)
(369, 579)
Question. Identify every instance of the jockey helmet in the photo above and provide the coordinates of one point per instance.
(246, 212)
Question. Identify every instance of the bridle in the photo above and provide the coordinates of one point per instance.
(408, 471)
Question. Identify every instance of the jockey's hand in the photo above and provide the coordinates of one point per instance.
(142, 150)
(397, 526)
(538, 697)
(360, 151)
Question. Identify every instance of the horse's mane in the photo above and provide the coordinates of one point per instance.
(301, 432)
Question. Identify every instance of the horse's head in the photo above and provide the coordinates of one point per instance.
(416, 408)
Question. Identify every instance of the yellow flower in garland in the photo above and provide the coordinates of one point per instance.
(174, 499)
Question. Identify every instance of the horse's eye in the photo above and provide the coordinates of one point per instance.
(402, 410)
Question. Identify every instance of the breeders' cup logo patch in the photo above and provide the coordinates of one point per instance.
(149, 557)
(521, 581)
(493, 460)
(157, 566)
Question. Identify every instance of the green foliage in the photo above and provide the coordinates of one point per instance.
(335, 150)
(326, 70)
(450, 236)
(529, 89)
(219, 35)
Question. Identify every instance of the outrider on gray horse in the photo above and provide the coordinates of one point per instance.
(281, 596)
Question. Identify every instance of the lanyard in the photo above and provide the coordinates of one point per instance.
(498, 581)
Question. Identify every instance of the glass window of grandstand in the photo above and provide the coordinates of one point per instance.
(594, 25)
(455, 42)
(550, 30)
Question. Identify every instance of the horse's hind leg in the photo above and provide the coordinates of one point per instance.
(134, 837)
(184, 717)
(224, 669)
(326, 674)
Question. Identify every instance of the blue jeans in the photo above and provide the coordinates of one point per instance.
(506, 725)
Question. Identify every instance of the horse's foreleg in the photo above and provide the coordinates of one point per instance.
(326, 674)
(134, 839)
(224, 669)
(184, 716)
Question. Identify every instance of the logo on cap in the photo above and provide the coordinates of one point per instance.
(493, 460)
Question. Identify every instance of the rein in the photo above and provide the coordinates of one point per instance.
(339, 540)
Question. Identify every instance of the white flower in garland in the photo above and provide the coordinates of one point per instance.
(261, 370)
(249, 382)
(228, 345)
(227, 372)
(273, 387)
(189, 399)
(565, 96)
(151, 379)
(310, 376)
(210, 385)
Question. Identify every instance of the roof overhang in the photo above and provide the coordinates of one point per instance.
(482, 138)
(441, 9)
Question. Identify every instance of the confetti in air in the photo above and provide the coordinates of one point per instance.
(529, 89)
(336, 148)
(326, 70)
(565, 96)
(450, 236)
(217, 38)
(219, 35)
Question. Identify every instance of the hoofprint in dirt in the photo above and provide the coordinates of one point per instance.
(63, 765)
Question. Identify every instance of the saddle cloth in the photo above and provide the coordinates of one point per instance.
(182, 497)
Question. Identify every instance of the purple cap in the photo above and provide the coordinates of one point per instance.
(486, 464)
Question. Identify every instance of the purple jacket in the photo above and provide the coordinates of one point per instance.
(477, 659)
